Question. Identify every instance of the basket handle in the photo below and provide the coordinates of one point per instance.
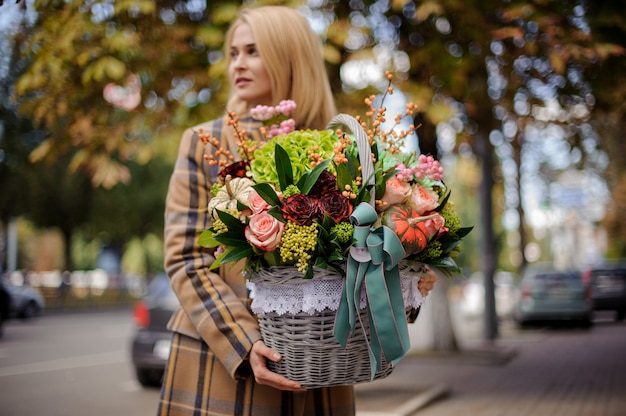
(365, 152)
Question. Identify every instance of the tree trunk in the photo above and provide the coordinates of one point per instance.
(485, 153)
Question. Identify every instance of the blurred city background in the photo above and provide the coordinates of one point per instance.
(521, 101)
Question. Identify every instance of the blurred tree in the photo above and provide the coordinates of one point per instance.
(106, 79)
(59, 200)
(131, 211)
(483, 66)
(17, 136)
(608, 25)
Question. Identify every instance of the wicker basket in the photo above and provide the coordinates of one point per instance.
(311, 354)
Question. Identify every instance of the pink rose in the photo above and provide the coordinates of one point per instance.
(264, 231)
(423, 199)
(396, 192)
(256, 203)
(435, 226)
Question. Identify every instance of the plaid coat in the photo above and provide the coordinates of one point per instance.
(214, 329)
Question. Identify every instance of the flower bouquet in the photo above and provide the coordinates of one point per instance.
(325, 221)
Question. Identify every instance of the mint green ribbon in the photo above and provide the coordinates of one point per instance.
(373, 265)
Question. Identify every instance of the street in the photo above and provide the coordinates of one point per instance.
(79, 364)
(71, 365)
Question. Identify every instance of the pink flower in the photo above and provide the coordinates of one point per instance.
(423, 199)
(264, 231)
(435, 226)
(256, 203)
(396, 192)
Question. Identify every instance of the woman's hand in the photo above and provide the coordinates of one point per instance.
(426, 283)
(258, 356)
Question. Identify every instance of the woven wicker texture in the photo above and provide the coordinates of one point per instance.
(311, 354)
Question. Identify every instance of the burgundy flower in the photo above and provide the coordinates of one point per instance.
(336, 206)
(325, 183)
(235, 170)
(301, 209)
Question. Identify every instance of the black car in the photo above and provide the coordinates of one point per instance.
(608, 288)
(5, 307)
(151, 342)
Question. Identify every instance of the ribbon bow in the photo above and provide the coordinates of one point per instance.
(373, 265)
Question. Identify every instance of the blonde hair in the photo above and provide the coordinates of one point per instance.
(292, 55)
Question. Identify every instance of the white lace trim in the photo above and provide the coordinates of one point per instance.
(316, 295)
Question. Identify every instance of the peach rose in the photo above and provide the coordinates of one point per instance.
(256, 203)
(396, 192)
(423, 199)
(264, 231)
(435, 225)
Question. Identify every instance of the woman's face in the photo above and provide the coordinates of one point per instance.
(246, 72)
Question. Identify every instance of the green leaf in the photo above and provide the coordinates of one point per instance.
(236, 254)
(462, 232)
(207, 239)
(232, 239)
(343, 176)
(276, 213)
(268, 193)
(232, 223)
(307, 180)
(283, 167)
(320, 263)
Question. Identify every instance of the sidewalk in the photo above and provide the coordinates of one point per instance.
(543, 371)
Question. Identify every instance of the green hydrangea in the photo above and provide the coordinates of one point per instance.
(343, 232)
(215, 188)
(297, 144)
(291, 190)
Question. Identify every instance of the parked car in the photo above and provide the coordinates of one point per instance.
(25, 301)
(553, 296)
(608, 288)
(5, 307)
(151, 341)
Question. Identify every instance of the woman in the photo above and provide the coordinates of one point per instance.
(217, 364)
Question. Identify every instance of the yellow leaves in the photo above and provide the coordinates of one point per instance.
(211, 36)
(398, 5)
(427, 9)
(103, 170)
(438, 112)
(106, 67)
(331, 54)
(121, 41)
(40, 152)
(135, 6)
(224, 13)
(508, 32)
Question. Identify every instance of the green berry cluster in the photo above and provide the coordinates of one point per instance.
(343, 232)
(291, 190)
(297, 244)
(219, 227)
(453, 222)
(432, 251)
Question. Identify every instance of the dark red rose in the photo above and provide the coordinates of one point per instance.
(336, 206)
(235, 170)
(325, 183)
(301, 209)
